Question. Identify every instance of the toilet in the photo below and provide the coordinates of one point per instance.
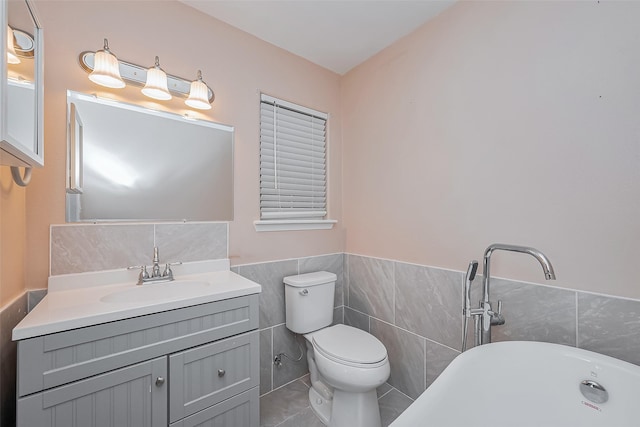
(346, 364)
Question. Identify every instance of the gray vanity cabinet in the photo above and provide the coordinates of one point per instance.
(125, 397)
(192, 366)
(212, 373)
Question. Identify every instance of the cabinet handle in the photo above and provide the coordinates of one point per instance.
(221, 372)
(159, 381)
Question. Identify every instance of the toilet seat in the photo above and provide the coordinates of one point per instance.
(349, 346)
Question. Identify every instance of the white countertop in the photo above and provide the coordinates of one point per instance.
(74, 300)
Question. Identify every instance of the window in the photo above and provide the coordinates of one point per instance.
(293, 167)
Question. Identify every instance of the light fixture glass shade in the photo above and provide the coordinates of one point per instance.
(12, 57)
(199, 94)
(106, 71)
(156, 86)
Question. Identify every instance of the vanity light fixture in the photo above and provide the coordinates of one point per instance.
(12, 56)
(106, 71)
(156, 86)
(199, 95)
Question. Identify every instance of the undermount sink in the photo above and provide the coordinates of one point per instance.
(155, 291)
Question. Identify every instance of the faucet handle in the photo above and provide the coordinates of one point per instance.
(497, 318)
(167, 269)
(143, 270)
(144, 274)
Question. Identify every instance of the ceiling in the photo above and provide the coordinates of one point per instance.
(335, 34)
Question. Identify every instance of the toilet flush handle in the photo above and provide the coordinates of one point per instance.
(304, 292)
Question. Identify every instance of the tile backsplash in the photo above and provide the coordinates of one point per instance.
(80, 248)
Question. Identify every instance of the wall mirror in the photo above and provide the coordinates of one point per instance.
(129, 163)
(22, 102)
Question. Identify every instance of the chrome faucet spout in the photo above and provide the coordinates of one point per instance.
(549, 274)
(490, 317)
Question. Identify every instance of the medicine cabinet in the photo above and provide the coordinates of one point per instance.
(21, 86)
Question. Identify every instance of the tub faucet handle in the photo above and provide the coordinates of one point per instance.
(497, 318)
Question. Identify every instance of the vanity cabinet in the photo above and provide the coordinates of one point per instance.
(21, 85)
(182, 367)
(124, 397)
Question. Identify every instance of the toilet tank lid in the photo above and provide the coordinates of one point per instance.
(310, 279)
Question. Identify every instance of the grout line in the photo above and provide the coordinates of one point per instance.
(291, 416)
(387, 392)
(393, 279)
(402, 329)
(286, 384)
(425, 364)
(286, 259)
(271, 361)
(408, 397)
(577, 332)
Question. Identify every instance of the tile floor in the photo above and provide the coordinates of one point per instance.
(288, 406)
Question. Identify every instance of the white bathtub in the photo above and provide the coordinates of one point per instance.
(525, 384)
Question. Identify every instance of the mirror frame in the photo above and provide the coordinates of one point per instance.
(14, 153)
(77, 131)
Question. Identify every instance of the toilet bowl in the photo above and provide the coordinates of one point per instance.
(346, 364)
(349, 358)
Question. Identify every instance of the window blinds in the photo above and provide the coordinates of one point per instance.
(293, 176)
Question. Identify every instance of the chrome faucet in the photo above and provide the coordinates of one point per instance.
(155, 276)
(155, 271)
(484, 315)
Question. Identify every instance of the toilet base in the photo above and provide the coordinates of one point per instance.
(355, 409)
(320, 406)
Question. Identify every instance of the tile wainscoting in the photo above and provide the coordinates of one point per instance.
(10, 316)
(416, 312)
(275, 338)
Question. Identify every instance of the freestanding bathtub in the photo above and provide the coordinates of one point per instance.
(526, 384)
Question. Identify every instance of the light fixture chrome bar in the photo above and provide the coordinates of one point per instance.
(138, 76)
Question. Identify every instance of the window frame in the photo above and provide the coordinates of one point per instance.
(298, 223)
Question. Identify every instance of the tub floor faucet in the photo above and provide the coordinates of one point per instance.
(484, 315)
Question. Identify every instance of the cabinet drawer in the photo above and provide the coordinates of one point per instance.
(125, 397)
(53, 360)
(242, 410)
(209, 374)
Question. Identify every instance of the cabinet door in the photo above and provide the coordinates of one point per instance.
(21, 88)
(135, 396)
(242, 410)
(209, 374)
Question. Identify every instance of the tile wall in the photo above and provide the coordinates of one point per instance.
(10, 316)
(416, 312)
(79, 248)
(275, 338)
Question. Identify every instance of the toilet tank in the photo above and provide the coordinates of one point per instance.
(309, 301)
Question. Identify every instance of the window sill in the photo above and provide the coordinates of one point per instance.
(294, 224)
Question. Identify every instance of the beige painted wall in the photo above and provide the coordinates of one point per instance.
(498, 121)
(12, 238)
(236, 65)
(514, 122)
